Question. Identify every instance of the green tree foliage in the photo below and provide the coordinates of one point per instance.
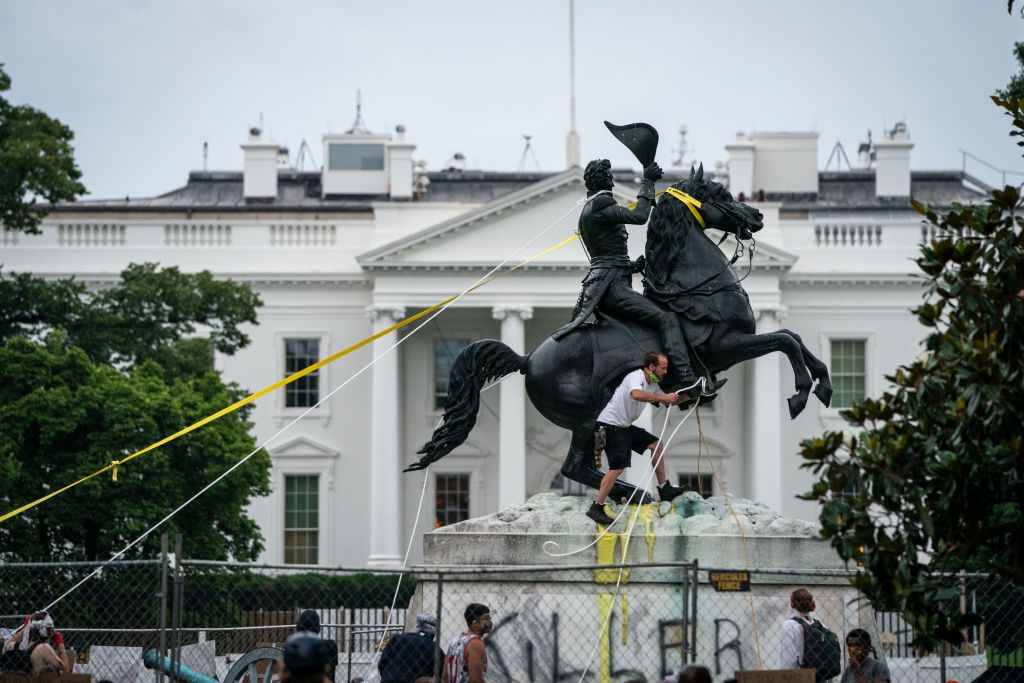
(1014, 90)
(36, 160)
(144, 317)
(90, 377)
(938, 469)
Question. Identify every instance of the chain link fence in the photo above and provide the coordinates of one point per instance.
(601, 624)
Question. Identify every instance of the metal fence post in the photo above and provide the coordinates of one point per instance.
(351, 645)
(176, 607)
(439, 661)
(693, 613)
(162, 607)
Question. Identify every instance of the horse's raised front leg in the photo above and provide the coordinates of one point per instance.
(819, 371)
(736, 347)
(579, 466)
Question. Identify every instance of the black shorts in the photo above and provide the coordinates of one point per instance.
(619, 441)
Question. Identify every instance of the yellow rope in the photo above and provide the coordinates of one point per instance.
(743, 536)
(113, 465)
(692, 203)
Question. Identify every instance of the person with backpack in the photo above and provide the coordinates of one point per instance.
(862, 667)
(806, 643)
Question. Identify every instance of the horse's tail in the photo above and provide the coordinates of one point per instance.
(475, 365)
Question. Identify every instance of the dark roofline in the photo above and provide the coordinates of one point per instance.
(347, 204)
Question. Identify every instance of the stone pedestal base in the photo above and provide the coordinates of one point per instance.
(558, 614)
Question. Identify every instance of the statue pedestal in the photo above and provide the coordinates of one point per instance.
(556, 615)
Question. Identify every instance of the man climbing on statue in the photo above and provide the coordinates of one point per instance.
(620, 436)
(608, 285)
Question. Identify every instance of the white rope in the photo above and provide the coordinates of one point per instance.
(288, 426)
(412, 537)
(607, 529)
(629, 501)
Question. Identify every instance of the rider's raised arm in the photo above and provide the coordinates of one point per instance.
(637, 216)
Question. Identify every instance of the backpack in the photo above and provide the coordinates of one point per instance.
(16, 660)
(821, 650)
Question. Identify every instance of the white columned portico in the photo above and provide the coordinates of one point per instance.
(764, 434)
(512, 422)
(385, 463)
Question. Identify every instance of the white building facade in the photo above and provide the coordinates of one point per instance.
(344, 253)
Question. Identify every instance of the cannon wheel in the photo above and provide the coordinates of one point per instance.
(249, 666)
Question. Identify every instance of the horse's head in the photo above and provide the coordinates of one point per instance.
(718, 208)
(679, 256)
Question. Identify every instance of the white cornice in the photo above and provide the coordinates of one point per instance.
(469, 266)
(325, 280)
(809, 280)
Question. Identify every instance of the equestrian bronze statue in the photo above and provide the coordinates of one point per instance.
(687, 279)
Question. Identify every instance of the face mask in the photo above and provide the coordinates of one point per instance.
(654, 377)
(488, 627)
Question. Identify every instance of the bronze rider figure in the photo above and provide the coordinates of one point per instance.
(608, 284)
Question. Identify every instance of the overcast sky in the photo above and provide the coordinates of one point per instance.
(144, 83)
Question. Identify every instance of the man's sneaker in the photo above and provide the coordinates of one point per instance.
(700, 395)
(597, 513)
(668, 492)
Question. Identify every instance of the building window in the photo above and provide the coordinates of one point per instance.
(445, 351)
(355, 157)
(848, 374)
(298, 354)
(301, 519)
(699, 483)
(452, 494)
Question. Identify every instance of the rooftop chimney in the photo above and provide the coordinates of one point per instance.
(774, 163)
(741, 165)
(786, 162)
(892, 163)
(400, 166)
(259, 170)
(865, 155)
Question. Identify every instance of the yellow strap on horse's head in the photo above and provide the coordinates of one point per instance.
(691, 203)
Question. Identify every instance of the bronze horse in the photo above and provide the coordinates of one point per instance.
(570, 380)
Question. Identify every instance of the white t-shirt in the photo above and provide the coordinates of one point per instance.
(793, 641)
(623, 410)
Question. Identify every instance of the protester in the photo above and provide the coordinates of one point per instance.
(862, 667)
(41, 653)
(309, 623)
(412, 655)
(43, 623)
(694, 673)
(467, 658)
(305, 660)
(621, 437)
(806, 643)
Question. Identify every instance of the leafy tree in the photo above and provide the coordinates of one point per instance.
(90, 377)
(938, 469)
(1015, 88)
(36, 160)
(143, 317)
